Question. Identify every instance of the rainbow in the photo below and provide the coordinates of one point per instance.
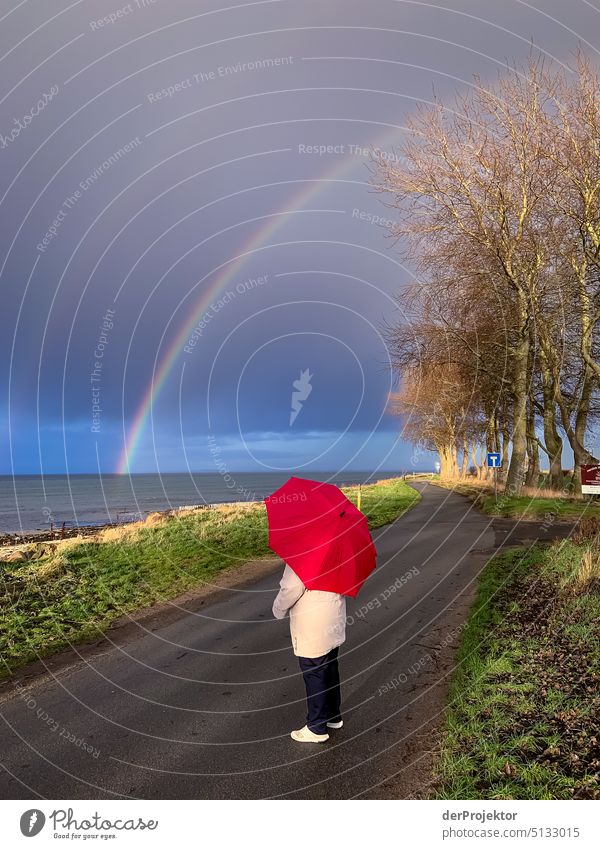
(227, 272)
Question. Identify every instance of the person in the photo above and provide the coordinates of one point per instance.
(317, 629)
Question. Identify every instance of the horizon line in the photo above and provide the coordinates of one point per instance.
(194, 472)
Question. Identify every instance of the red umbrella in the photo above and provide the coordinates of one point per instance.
(321, 535)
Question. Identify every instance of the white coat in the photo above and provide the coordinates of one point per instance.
(317, 618)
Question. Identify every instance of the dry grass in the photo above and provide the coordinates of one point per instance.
(64, 545)
(237, 508)
(532, 504)
(588, 572)
(542, 492)
(475, 483)
(154, 519)
(120, 533)
(585, 576)
(129, 531)
(46, 570)
(526, 492)
(588, 531)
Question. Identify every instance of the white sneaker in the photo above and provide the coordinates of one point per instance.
(305, 735)
(335, 724)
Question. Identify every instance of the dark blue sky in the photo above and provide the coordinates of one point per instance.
(147, 145)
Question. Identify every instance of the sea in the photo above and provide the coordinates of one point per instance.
(34, 503)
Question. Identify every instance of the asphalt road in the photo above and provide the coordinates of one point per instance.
(202, 706)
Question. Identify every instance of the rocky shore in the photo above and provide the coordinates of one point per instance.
(49, 536)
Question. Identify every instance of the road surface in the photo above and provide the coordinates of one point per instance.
(201, 706)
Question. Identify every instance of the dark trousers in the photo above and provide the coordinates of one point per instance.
(323, 697)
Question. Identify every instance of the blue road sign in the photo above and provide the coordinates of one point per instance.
(493, 459)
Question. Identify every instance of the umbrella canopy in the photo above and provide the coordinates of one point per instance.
(321, 535)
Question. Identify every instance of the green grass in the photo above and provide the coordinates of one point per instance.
(523, 702)
(384, 502)
(47, 604)
(551, 507)
(536, 507)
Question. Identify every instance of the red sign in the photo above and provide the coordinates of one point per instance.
(590, 480)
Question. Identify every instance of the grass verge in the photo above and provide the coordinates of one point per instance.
(534, 505)
(52, 602)
(523, 703)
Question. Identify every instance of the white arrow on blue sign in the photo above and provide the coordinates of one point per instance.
(493, 459)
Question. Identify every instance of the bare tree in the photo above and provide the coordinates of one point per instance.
(573, 148)
(433, 402)
(498, 201)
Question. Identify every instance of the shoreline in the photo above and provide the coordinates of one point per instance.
(40, 535)
(12, 540)
(24, 521)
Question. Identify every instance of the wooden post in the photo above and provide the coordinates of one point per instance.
(359, 495)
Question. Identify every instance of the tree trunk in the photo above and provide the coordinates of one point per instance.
(474, 460)
(581, 416)
(465, 459)
(504, 456)
(581, 454)
(514, 478)
(454, 461)
(581, 427)
(479, 463)
(552, 439)
(576, 435)
(496, 431)
(533, 468)
(491, 443)
(532, 478)
(583, 407)
(447, 461)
